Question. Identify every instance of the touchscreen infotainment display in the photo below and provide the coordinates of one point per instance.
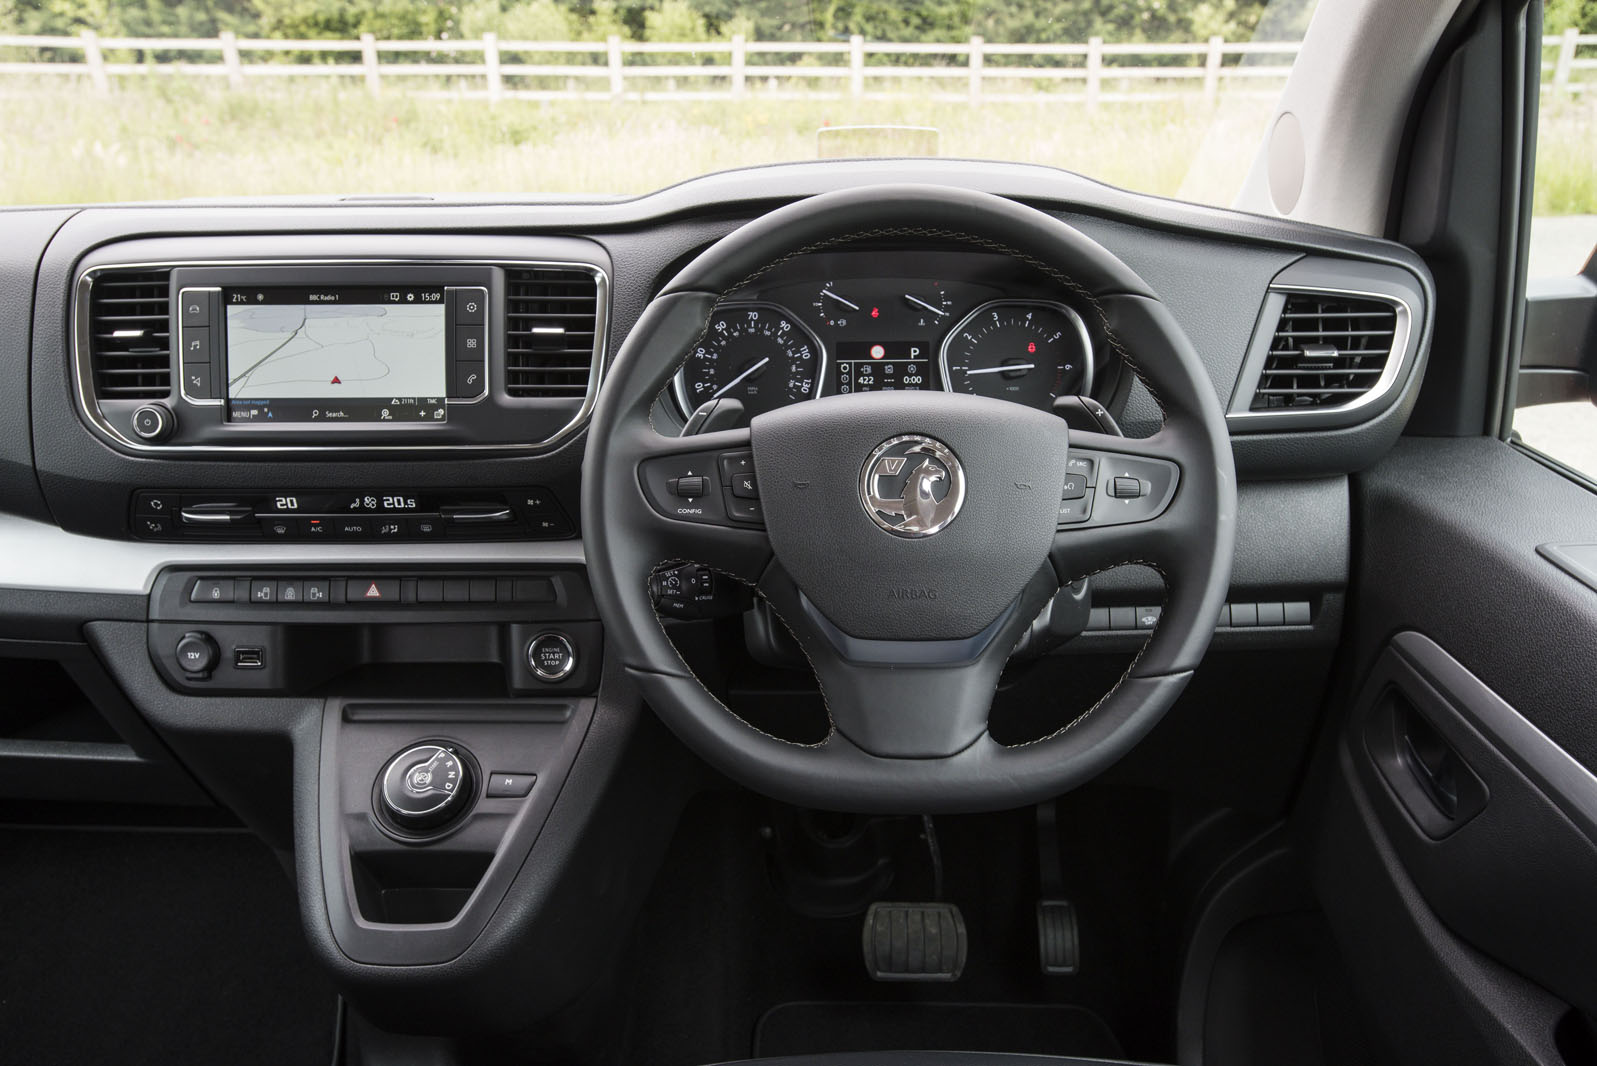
(344, 354)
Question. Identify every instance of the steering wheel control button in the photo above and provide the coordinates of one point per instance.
(1075, 487)
(1083, 465)
(153, 423)
(734, 463)
(1073, 512)
(744, 487)
(682, 487)
(551, 657)
(1125, 488)
(425, 787)
(690, 488)
(197, 654)
(509, 786)
(1148, 617)
(912, 486)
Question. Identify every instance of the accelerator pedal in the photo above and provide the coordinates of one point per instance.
(914, 942)
(1058, 946)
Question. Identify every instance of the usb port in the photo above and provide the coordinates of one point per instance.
(248, 658)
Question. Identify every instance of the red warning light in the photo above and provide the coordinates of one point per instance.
(878, 352)
(1032, 347)
(335, 381)
(876, 312)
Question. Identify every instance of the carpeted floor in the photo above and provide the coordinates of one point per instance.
(155, 947)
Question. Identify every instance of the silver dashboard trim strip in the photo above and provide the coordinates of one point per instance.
(45, 557)
(82, 371)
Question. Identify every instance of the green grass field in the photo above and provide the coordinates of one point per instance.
(62, 143)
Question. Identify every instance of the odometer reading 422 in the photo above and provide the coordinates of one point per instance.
(757, 354)
(1020, 350)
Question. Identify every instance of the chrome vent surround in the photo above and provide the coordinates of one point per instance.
(551, 328)
(130, 335)
(1327, 351)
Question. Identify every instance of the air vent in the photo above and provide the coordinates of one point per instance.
(1327, 352)
(550, 326)
(130, 335)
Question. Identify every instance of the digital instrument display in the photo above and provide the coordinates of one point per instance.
(885, 366)
(336, 354)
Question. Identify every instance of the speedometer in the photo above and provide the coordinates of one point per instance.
(755, 353)
(1021, 350)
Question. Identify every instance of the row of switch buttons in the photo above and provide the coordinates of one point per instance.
(372, 590)
(197, 343)
(705, 487)
(740, 489)
(468, 378)
(1232, 615)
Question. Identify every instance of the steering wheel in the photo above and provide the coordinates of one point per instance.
(908, 539)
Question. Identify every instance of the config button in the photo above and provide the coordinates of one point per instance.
(551, 656)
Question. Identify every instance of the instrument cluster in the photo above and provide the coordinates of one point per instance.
(845, 333)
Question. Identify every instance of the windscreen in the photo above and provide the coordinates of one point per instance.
(115, 100)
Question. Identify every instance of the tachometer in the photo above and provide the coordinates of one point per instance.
(1022, 350)
(755, 353)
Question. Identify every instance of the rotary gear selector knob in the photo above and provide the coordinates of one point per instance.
(426, 787)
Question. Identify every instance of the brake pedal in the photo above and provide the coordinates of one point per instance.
(1058, 946)
(914, 942)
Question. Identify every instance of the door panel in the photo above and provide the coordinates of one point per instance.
(1451, 822)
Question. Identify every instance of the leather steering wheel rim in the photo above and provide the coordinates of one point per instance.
(1189, 542)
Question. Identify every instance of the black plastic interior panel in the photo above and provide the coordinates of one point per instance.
(1579, 561)
(450, 885)
(1448, 532)
(27, 233)
(67, 732)
(1495, 823)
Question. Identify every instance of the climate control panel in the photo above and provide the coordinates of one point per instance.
(356, 514)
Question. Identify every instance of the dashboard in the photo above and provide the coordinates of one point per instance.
(294, 486)
(887, 320)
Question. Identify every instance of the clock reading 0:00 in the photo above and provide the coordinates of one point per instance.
(757, 354)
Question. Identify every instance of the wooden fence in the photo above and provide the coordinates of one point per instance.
(490, 68)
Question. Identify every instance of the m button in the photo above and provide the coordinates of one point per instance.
(372, 590)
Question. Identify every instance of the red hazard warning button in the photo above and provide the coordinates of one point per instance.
(372, 590)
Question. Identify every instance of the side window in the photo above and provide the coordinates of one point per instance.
(1555, 405)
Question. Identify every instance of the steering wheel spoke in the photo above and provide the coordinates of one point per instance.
(703, 504)
(1120, 505)
(906, 699)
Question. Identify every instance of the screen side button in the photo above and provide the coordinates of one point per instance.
(471, 306)
(471, 343)
(467, 379)
(196, 308)
(196, 344)
(197, 380)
